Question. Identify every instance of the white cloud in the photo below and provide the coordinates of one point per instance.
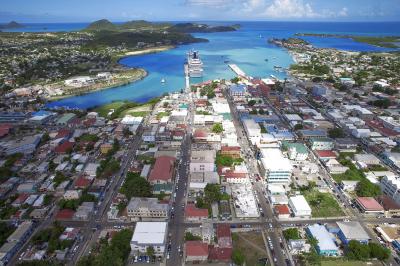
(343, 12)
(290, 9)
(209, 3)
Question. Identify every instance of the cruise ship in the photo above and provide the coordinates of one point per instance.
(195, 65)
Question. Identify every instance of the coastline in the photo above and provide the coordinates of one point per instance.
(143, 75)
(127, 54)
(149, 50)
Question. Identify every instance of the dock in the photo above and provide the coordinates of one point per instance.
(187, 79)
(237, 70)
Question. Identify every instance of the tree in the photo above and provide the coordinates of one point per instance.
(378, 251)
(190, 237)
(150, 251)
(336, 132)
(217, 128)
(235, 80)
(366, 188)
(251, 102)
(136, 186)
(357, 251)
(212, 193)
(237, 257)
(291, 233)
(298, 127)
(253, 112)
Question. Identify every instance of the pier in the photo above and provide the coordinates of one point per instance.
(237, 70)
(187, 80)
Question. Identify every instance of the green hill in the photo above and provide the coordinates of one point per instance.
(102, 24)
(143, 25)
(201, 28)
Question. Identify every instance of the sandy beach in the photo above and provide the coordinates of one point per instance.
(150, 50)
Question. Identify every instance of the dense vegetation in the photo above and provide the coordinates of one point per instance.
(291, 233)
(136, 186)
(51, 237)
(113, 253)
(357, 251)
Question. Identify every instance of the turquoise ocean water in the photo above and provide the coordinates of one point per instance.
(247, 47)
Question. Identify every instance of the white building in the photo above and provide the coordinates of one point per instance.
(390, 122)
(72, 194)
(148, 234)
(277, 168)
(202, 161)
(300, 206)
(390, 186)
(147, 208)
(253, 130)
(78, 81)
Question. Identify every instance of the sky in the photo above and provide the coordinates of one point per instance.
(29, 11)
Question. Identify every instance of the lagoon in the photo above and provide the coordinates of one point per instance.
(247, 47)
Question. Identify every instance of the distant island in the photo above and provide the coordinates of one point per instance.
(11, 25)
(200, 28)
(380, 41)
(135, 25)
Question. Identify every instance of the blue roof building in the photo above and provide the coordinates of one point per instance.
(237, 90)
(326, 246)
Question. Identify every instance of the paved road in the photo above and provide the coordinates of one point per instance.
(99, 220)
(276, 254)
(176, 228)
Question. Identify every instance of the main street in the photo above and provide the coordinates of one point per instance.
(99, 220)
(274, 232)
(176, 228)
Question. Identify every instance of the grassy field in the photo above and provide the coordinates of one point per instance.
(105, 109)
(323, 204)
(251, 244)
(142, 110)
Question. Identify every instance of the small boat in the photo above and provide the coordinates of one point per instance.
(226, 61)
(266, 59)
(162, 80)
(260, 36)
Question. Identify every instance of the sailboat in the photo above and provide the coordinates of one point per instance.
(163, 80)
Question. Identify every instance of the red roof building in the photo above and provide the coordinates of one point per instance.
(196, 251)
(65, 214)
(5, 129)
(200, 135)
(163, 170)
(193, 213)
(82, 182)
(63, 133)
(220, 254)
(232, 151)
(224, 236)
(64, 147)
(369, 205)
(325, 154)
(282, 211)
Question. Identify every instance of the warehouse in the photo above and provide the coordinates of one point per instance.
(352, 230)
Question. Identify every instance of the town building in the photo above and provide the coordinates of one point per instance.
(369, 205)
(321, 144)
(352, 230)
(326, 245)
(300, 206)
(202, 161)
(390, 186)
(163, 170)
(196, 251)
(149, 234)
(253, 130)
(147, 208)
(275, 167)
